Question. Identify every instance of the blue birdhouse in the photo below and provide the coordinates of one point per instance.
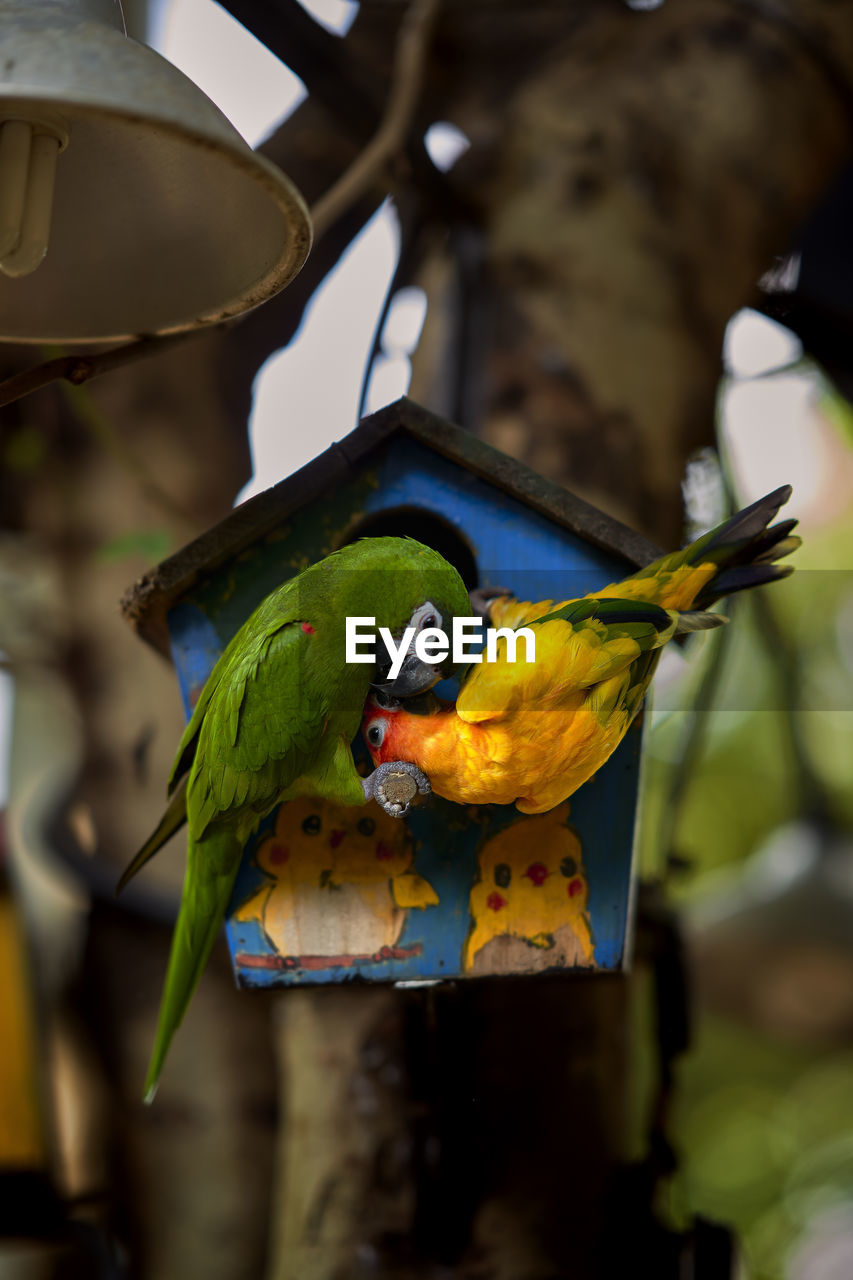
(328, 894)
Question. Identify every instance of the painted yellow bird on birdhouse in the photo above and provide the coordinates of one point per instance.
(531, 891)
(340, 881)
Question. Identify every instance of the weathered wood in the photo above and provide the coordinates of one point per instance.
(436, 1133)
(344, 1152)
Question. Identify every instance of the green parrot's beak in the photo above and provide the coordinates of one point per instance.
(414, 677)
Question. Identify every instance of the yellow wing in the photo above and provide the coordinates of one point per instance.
(672, 586)
(582, 644)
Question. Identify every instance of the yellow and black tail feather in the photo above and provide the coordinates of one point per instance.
(745, 548)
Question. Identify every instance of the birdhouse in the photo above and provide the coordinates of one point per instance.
(328, 894)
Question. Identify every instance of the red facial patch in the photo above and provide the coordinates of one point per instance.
(308, 629)
(384, 852)
(335, 838)
(537, 872)
(496, 901)
(574, 887)
(278, 854)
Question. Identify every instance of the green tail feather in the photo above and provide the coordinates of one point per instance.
(617, 613)
(211, 869)
(173, 819)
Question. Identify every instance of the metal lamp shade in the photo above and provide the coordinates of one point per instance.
(164, 219)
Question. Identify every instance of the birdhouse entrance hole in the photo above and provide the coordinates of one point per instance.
(426, 527)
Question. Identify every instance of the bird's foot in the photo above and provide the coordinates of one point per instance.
(481, 598)
(394, 785)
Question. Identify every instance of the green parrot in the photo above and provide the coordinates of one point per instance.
(275, 720)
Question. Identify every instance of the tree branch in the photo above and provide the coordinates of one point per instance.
(79, 369)
(406, 81)
(323, 62)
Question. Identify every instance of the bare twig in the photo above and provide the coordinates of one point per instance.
(390, 138)
(406, 79)
(79, 369)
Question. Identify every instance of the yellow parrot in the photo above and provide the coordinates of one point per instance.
(532, 732)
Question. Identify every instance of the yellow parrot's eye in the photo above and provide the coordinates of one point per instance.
(367, 826)
(503, 875)
(568, 868)
(312, 825)
(376, 733)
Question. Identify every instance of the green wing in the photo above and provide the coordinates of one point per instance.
(211, 869)
(237, 662)
(262, 727)
(253, 730)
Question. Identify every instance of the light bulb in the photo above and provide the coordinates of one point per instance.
(28, 152)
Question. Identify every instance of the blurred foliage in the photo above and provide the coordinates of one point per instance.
(25, 450)
(765, 1134)
(153, 545)
(763, 1127)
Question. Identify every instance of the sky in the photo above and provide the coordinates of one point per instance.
(307, 395)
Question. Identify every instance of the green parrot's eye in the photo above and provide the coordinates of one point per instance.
(426, 616)
(367, 826)
(312, 824)
(503, 875)
(568, 868)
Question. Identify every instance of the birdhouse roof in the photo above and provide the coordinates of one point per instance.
(146, 604)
